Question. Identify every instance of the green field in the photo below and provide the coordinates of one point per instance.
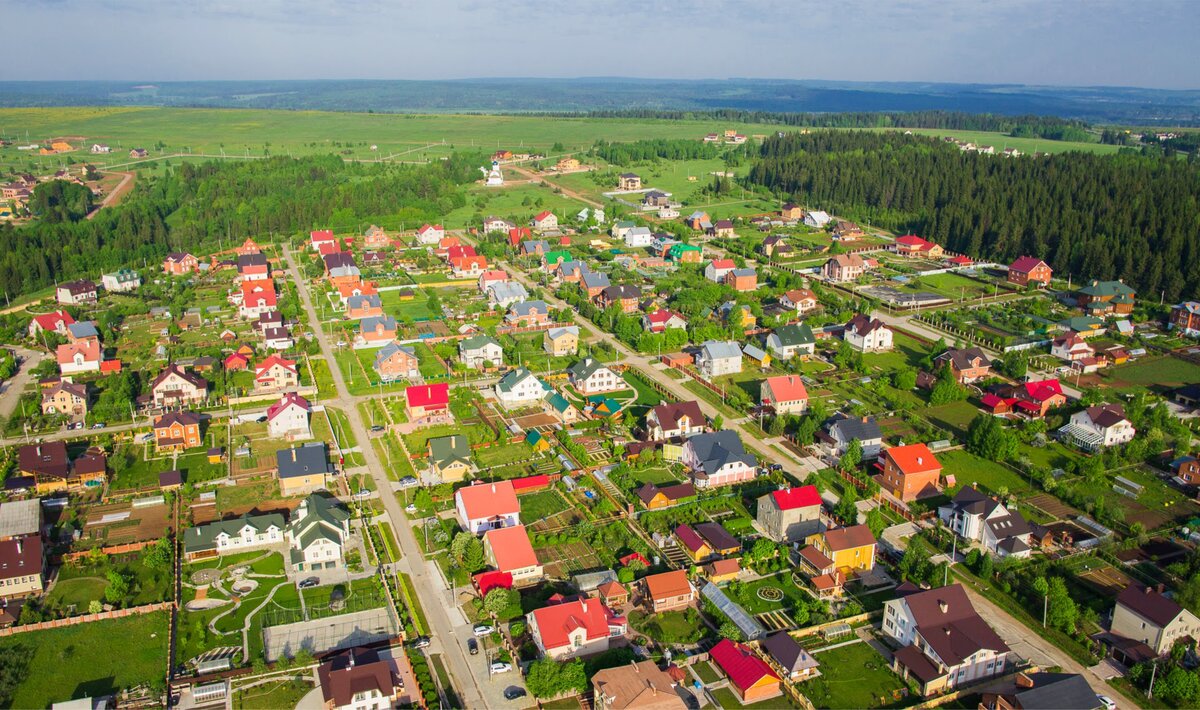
(85, 660)
(853, 676)
(1163, 371)
(967, 468)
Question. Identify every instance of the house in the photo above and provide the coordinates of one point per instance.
(561, 341)
(1037, 397)
(360, 307)
(528, 313)
(322, 241)
(289, 417)
(277, 339)
(79, 356)
(376, 332)
(487, 506)
(121, 281)
(22, 560)
(1098, 427)
(138, 153)
(519, 388)
(450, 457)
(85, 330)
(1185, 318)
(910, 472)
(698, 220)
(914, 247)
(236, 362)
(317, 534)
(560, 407)
(1071, 348)
(844, 231)
(48, 465)
(480, 351)
(544, 221)
(750, 677)
(497, 224)
(800, 300)
(567, 164)
(674, 420)
(101, 148)
(816, 219)
(867, 335)
(667, 591)
(639, 238)
(503, 294)
(396, 362)
(852, 549)
(468, 267)
(74, 293)
(258, 297)
(722, 571)
(839, 430)
(718, 459)
(719, 357)
(623, 295)
(791, 211)
(657, 199)
(357, 679)
(978, 518)
(572, 629)
(1105, 297)
(53, 322)
(721, 228)
(790, 656)
(593, 282)
(302, 469)
(685, 253)
(226, 537)
(795, 339)
(509, 550)
(180, 263)
(842, 268)
(253, 267)
(659, 320)
(1146, 615)
(785, 394)
(275, 374)
(718, 539)
(427, 401)
(1029, 269)
(620, 228)
(776, 246)
(639, 685)
(790, 514)
(737, 315)
(176, 431)
(590, 376)
(430, 234)
(1042, 691)
(494, 276)
(944, 642)
(967, 365)
(742, 280)
(538, 247)
(66, 399)
(1186, 470)
(175, 387)
(696, 547)
(654, 497)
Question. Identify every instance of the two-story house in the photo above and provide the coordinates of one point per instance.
(790, 514)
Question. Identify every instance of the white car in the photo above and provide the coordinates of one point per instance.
(1108, 702)
(410, 508)
(499, 667)
(483, 630)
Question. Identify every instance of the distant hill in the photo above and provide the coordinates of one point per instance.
(1130, 106)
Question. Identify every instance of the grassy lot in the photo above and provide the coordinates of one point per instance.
(283, 694)
(658, 475)
(747, 594)
(707, 673)
(853, 676)
(905, 352)
(967, 468)
(79, 582)
(1053, 455)
(1159, 372)
(955, 416)
(84, 660)
(503, 454)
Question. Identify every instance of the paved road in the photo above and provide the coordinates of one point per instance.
(448, 628)
(10, 391)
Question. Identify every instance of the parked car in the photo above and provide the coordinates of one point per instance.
(410, 508)
(483, 630)
(409, 482)
(421, 642)
(310, 582)
(99, 425)
(499, 667)
(1108, 702)
(514, 692)
(377, 428)
(473, 647)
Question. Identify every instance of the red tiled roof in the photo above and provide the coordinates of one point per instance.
(723, 264)
(511, 548)
(531, 482)
(787, 388)
(321, 235)
(1043, 390)
(798, 497)
(742, 665)
(435, 395)
(48, 321)
(543, 215)
(487, 581)
(991, 401)
(488, 500)
(288, 400)
(1025, 264)
(272, 361)
(556, 623)
(913, 458)
(689, 537)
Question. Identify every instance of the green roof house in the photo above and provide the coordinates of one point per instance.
(317, 534)
(791, 340)
(227, 537)
(450, 456)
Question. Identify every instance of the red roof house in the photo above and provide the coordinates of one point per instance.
(55, 322)
(574, 628)
(910, 472)
(752, 679)
(487, 506)
(798, 497)
(424, 400)
(487, 581)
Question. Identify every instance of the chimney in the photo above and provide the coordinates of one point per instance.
(293, 456)
(1149, 589)
(653, 690)
(20, 547)
(865, 418)
(920, 460)
(493, 488)
(1024, 681)
(944, 607)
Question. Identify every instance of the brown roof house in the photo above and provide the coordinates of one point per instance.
(641, 685)
(1146, 615)
(668, 590)
(174, 387)
(176, 431)
(967, 364)
(358, 678)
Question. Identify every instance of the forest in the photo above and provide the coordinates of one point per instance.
(195, 206)
(677, 149)
(1095, 217)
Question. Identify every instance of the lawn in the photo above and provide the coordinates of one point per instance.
(853, 676)
(283, 694)
(955, 416)
(967, 468)
(85, 660)
(669, 626)
(707, 673)
(746, 594)
(1162, 372)
(503, 454)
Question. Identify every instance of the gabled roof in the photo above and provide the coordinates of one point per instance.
(432, 395)
(689, 538)
(742, 665)
(525, 308)
(795, 334)
(670, 414)
(788, 653)
(796, 497)
(861, 428)
(950, 625)
(556, 333)
(288, 400)
(1149, 604)
(666, 585)
(173, 369)
(913, 458)
(475, 342)
(1042, 390)
(303, 460)
(849, 538)
(273, 360)
(720, 350)
(185, 419)
(1056, 691)
(1026, 264)
(717, 536)
(557, 622)
(585, 368)
(1106, 415)
(619, 292)
(355, 671)
(512, 378)
(48, 458)
(49, 321)
(786, 388)
(717, 449)
(202, 537)
(864, 324)
(488, 500)
(963, 358)
(511, 548)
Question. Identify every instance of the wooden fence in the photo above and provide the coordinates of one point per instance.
(110, 550)
(86, 618)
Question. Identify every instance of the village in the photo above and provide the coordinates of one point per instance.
(625, 454)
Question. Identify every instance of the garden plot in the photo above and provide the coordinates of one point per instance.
(560, 561)
(546, 510)
(536, 421)
(119, 523)
(1109, 580)
(776, 621)
(1052, 506)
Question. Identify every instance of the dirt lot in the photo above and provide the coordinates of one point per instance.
(126, 523)
(1052, 506)
(1109, 580)
(540, 421)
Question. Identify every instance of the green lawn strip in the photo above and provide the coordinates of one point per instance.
(967, 468)
(413, 603)
(87, 660)
(853, 676)
(707, 673)
(542, 504)
(503, 454)
(443, 676)
(282, 694)
(955, 416)
(711, 397)
(389, 539)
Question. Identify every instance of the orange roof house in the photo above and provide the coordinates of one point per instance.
(910, 472)
(668, 590)
(509, 550)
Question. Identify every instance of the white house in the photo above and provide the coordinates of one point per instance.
(121, 281)
(289, 417)
(816, 219)
(791, 340)
(867, 335)
(678, 419)
(590, 376)
(480, 349)
(1098, 427)
(430, 234)
(719, 357)
(978, 518)
(520, 387)
(487, 506)
(1071, 348)
(717, 459)
(639, 237)
(318, 533)
(225, 537)
(717, 268)
(840, 430)
(800, 300)
(503, 294)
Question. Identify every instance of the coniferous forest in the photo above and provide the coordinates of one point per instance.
(1124, 217)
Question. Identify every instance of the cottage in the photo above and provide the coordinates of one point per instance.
(509, 550)
(480, 351)
(640, 685)
(816, 219)
(867, 335)
(257, 298)
(561, 341)
(840, 430)
(175, 387)
(426, 403)
(502, 294)
(430, 234)
(750, 677)
(792, 340)
(719, 357)
(718, 459)
(1029, 269)
(544, 221)
(1146, 615)
(790, 514)
(842, 268)
(302, 469)
(800, 300)
(852, 549)
(967, 365)
(742, 280)
(22, 563)
(1098, 427)
(654, 497)
(785, 394)
(487, 506)
(74, 293)
(176, 431)
(590, 376)
(53, 322)
(914, 247)
(528, 314)
(121, 281)
(662, 319)
(376, 332)
(1185, 318)
(1101, 298)
(179, 263)
(844, 231)
(396, 362)
(667, 591)
(79, 356)
(674, 420)
(66, 399)
(289, 417)
(910, 472)
(571, 629)
(226, 537)
(450, 457)
(629, 181)
(358, 679)
(789, 655)
(519, 388)
(623, 295)
(318, 534)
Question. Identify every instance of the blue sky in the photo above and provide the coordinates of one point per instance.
(1054, 42)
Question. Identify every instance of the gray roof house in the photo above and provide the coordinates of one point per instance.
(306, 460)
(595, 279)
(506, 293)
(719, 357)
(840, 430)
(317, 533)
(83, 329)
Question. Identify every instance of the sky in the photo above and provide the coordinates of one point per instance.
(1149, 43)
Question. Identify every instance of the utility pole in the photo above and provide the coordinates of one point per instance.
(1153, 671)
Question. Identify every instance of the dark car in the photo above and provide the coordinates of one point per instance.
(473, 646)
(513, 693)
(310, 582)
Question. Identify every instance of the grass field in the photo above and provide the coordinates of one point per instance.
(853, 676)
(84, 660)
(967, 468)
(1163, 371)
(282, 694)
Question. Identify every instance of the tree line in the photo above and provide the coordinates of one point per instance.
(1096, 217)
